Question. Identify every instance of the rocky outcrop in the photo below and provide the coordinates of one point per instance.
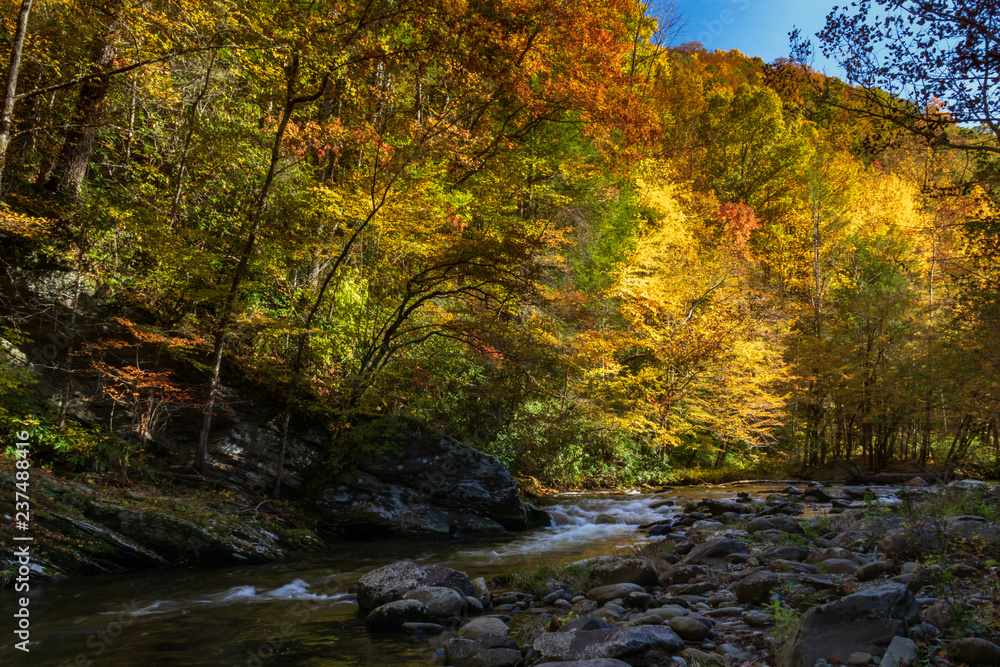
(182, 541)
(78, 531)
(421, 483)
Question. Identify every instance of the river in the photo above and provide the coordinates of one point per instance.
(300, 611)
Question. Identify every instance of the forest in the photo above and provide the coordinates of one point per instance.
(548, 229)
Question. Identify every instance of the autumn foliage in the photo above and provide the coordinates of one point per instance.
(600, 256)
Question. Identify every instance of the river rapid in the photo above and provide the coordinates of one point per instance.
(301, 611)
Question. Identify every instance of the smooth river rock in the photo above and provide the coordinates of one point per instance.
(485, 624)
(611, 592)
(392, 615)
(441, 602)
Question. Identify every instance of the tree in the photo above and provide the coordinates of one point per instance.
(928, 66)
(7, 106)
(751, 154)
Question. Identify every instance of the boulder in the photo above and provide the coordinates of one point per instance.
(941, 614)
(757, 619)
(901, 652)
(781, 522)
(393, 581)
(974, 651)
(819, 493)
(600, 662)
(973, 528)
(838, 566)
(487, 650)
(585, 623)
(441, 602)
(969, 485)
(707, 526)
(681, 574)
(717, 506)
(785, 553)
(690, 629)
(839, 553)
(487, 624)
(875, 569)
(668, 612)
(911, 541)
(700, 658)
(792, 567)
(392, 615)
(757, 586)
(604, 594)
(715, 552)
(625, 571)
(628, 642)
(862, 622)
(422, 483)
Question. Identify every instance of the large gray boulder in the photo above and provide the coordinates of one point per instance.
(394, 581)
(420, 483)
(863, 622)
(632, 644)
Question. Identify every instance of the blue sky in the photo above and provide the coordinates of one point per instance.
(755, 27)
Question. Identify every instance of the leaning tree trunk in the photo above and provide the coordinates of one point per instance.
(7, 111)
(255, 214)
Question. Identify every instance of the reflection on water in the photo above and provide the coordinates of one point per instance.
(301, 611)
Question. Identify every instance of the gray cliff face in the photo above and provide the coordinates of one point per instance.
(424, 483)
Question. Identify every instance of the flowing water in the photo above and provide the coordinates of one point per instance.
(300, 611)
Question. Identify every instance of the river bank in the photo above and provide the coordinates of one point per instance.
(742, 581)
(763, 531)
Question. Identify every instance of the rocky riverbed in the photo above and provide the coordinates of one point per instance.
(734, 582)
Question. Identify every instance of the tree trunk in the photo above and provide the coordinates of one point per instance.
(7, 112)
(254, 216)
(71, 166)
